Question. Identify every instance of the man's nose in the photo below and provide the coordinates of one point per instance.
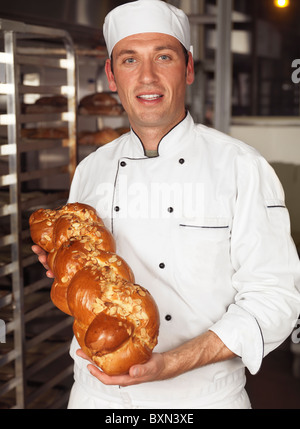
(148, 73)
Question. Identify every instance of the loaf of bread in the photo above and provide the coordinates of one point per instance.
(49, 104)
(98, 138)
(100, 104)
(101, 137)
(98, 99)
(116, 321)
(45, 133)
(55, 100)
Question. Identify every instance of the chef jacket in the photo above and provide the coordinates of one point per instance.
(205, 229)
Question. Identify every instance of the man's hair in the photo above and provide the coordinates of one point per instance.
(185, 51)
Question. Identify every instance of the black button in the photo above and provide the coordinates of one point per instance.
(181, 161)
(117, 209)
(170, 210)
(123, 164)
(168, 317)
(162, 266)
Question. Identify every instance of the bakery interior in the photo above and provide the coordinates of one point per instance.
(56, 108)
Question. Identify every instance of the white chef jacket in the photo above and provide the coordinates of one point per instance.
(205, 229)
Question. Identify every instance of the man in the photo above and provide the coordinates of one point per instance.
(201, 220)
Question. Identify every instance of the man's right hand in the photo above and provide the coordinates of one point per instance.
(42, 257)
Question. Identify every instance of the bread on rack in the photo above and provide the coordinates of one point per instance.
(98, 138)
(55, 100)
(48, 104)
(100, 104)
(99, 99)
(45, 133)
(102, 137)
(116, 321)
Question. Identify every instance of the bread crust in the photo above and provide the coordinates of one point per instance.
(116, 321)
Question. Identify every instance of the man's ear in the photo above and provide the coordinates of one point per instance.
(110, 76)
(190, 73)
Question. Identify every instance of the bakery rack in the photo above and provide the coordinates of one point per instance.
(91, 79)
(35, 367)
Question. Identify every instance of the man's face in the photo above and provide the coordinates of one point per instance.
(150, 75)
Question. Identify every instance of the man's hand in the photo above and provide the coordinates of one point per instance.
(201, 351)
(42, 257)
(153, 370)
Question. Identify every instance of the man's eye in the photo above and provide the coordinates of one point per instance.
(164, 57)
(129, 61)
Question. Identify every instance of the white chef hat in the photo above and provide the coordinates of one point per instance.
(146, 16)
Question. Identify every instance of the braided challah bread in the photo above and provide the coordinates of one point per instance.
(116, 321)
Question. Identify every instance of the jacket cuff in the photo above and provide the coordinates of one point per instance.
(241, 333)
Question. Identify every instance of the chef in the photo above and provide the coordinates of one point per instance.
(200, 218)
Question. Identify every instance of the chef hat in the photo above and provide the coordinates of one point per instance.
(146, 16)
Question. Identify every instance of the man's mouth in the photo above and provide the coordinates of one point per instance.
(149, 97)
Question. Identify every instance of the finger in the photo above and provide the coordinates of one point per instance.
(100, 375)
(81, 354)
(38, 250)
(41, 254)
(111, 380)
(43, 261)
(137, 371)
(42, 258)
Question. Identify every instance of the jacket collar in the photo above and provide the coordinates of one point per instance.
(171, 143)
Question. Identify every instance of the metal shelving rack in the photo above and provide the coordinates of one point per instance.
(35, 369)
(220, 66)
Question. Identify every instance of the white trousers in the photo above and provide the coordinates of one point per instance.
(80, 398)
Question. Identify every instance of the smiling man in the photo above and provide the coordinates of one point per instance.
(225, 273)
(151, 79)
